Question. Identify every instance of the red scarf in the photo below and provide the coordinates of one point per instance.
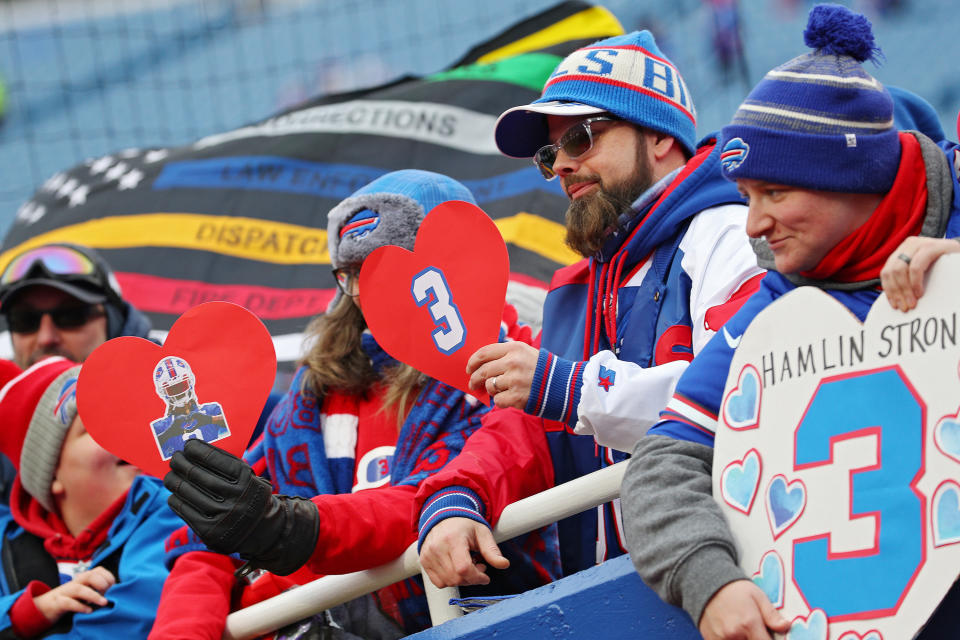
(862, 254)
(57, 539)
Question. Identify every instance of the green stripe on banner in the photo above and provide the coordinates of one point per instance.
(530, 70)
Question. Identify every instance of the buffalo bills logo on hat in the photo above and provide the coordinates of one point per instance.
(734, 153)
(361, 224)
(67, 393)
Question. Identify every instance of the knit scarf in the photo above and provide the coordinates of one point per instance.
(862, 254)
(303, 458)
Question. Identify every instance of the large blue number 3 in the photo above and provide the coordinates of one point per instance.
(871, 582)
(430, 288)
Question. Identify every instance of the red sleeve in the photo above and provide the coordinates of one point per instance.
(505, 460)
(25, 618)
(196, 597)
(362, 530)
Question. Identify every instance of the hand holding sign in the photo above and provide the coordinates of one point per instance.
(208, 381)
(855, 445)
(433, 307)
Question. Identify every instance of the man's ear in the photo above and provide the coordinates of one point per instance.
(660, 144)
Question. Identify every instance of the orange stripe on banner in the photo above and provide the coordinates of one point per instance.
(154, 294)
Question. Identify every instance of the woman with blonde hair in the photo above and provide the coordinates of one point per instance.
(354, 419)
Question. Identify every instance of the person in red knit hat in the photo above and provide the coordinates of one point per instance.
(82, 538)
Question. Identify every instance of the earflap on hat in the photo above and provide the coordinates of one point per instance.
(36, 416)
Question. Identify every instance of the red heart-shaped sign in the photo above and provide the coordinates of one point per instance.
(434, 307)
(209, 380)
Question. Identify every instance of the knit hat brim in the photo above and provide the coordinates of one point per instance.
(819, 162)
(521, 131)
(48, 427)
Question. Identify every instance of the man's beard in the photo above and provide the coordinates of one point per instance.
(593, 217)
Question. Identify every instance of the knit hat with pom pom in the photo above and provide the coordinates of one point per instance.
(819, 121)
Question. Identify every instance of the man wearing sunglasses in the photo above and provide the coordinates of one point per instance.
(666, 261)
(63, 300)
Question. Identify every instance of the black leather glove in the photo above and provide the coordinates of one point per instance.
(235, 511)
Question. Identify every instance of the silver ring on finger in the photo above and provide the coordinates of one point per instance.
(904, 257)
(496, 387)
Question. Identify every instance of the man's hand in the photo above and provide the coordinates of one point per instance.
(740, 610)
(903, 273)
(234, 511)
(505, 370)
(446, 553)
(76, 596)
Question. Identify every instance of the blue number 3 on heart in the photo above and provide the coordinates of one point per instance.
(872, 582)
(430, 288)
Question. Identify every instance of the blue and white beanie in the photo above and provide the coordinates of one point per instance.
(388, 211)
(627, 76)
(820, 121)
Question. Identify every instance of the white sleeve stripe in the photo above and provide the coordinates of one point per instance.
(566, 390)
(691, 413)
(546, 391)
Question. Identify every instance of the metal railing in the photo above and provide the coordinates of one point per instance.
(518, 518)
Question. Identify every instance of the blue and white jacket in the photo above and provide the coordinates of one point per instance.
(620, 328)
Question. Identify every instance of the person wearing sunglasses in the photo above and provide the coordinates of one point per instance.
(345, 449)
(666, 261)
(63, 299)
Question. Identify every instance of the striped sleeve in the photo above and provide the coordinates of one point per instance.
(555, 390)
(452, 502)
(685, 419)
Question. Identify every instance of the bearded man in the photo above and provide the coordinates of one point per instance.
(666, 262)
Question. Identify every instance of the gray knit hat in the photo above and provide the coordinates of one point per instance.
(38, 407)
(388, 211)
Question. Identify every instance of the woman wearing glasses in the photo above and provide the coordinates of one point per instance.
(354, 419)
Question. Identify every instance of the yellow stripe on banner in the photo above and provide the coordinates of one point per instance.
(262, 240)
(539, 235)
(249, 238)
(595, 22)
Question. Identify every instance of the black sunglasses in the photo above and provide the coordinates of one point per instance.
(71, 317)
(575, 142)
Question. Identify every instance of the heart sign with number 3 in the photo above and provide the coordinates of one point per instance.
(433, 307)
(859, 463)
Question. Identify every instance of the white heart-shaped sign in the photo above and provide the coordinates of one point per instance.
(859, 438)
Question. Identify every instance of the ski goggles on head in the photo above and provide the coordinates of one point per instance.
(68, 268)
(574, 142)
(57, 260)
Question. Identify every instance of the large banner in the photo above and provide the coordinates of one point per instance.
(837, 460)
(241, 216)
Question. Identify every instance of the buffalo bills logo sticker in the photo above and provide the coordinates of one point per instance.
(734, 153)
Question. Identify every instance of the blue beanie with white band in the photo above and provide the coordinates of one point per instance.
(626, 76)
(820, 121)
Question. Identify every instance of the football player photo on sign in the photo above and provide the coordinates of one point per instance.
(185, 418)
